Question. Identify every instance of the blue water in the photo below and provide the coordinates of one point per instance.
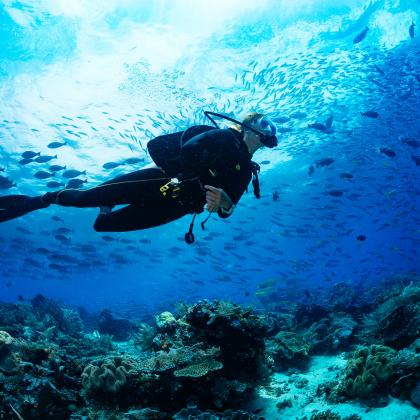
(106, 78)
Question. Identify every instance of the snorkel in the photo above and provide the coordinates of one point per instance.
(264, 127)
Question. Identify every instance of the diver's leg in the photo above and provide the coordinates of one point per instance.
(140, 216)
(13, 206)
(125, 189)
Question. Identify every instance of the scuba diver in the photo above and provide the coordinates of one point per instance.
(201, 166)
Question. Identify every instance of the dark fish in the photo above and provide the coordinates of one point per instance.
(411, 142)
(311, 170)
(324, 162)
(284, 129)
(43, 251)
(281, 120)
(29, 154)
(63, 231)
(411, 30)
(387, 151)
(43, 175)
(346, 175)
(265, 162)
(23, 230)
(1, 169)
(55, 184)
(111, 165)
(25, 161)
(45, 158)
(62, 238)
(56, 168)
(360, 36)
(57, 219)
(6, 183)
(133, 160)
(361, 238)
(370, 114)
(108, 238)
(55, 145)
(72, 173)
(380, 71)
(416, 159)
(76, 183)
(276, 196)
(335, 193)
(318, 126)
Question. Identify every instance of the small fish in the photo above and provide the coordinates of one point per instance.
(311, 170)
(30, 155)
(370, 114)
(63, 231)
(111, 165)
(281, 120)
(346, 175)
(298, 115)
(416, 159)
(55, 184)
(335, 193)
(1, 169)
(284, 129)
(360, 36)
(133, 160)
(387, 151)
(56, 168)
(76, 183)
(23, 230)
(361, 238)
(108, 238)
(57, 219)
(411, 142)
(377, 68)
(318, 126)
(411, 30)
(265, 162)
(56, 145)
(72, 173)
(62, 238)
(25, 161)
(276, 196)
(43, 175)
(324, 162)
(6, 183)
(45, 158)
(328, 122)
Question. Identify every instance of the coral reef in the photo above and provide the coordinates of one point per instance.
(205, 360)
(395, 322)
(288, 349)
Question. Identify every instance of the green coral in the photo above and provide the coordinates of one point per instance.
(198, 370)
(370, 369)
(109, 376)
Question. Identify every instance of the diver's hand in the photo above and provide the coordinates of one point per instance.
(216, 198)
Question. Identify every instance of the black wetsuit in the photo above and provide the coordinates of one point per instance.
(197, 156)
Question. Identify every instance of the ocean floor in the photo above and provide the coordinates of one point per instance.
(305, 401)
